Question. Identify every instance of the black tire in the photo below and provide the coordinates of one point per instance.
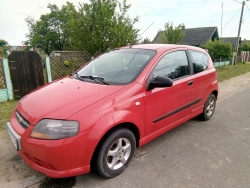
(209, 108)
(115, 152)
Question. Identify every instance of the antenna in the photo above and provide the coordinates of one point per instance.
(221, 18)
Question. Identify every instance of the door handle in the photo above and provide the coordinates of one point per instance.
(190, 83)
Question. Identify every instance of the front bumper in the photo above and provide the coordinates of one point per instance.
(14, 137)
(40, 166)
(55, 158)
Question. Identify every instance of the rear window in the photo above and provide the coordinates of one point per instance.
(200, 61)
(173, 65)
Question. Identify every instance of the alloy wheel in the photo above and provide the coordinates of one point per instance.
(118, 153)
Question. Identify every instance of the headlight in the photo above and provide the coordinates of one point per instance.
(51, 129)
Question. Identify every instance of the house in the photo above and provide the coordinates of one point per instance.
(194, 36)
(24, 48)
(17, 48)
(232, 40)
(245, 40)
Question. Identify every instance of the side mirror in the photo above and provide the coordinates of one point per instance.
(160, 81)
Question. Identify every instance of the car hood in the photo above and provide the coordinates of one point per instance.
(62, 98)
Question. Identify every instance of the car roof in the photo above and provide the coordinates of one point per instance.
(162, 46)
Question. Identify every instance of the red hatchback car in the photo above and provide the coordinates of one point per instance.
(98, 115)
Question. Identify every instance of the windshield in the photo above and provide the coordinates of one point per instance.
(117, 67)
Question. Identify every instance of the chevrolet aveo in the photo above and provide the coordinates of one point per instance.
(98, 115)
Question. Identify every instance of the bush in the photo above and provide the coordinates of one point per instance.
(218, 49)
(1, 52)
(244, 47)
(70, 66)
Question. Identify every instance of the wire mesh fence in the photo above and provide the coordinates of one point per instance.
(2, 79)
(63, 63)
(97, 54)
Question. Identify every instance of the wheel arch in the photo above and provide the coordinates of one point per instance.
(131, 126)
(215, 92)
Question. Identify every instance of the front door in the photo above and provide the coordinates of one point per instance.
(166, 106)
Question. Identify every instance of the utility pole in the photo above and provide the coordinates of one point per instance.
(238, 38)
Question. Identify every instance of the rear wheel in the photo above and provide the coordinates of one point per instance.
(115, 152)
(209, 108)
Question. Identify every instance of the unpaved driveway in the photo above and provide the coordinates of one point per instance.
(232, 85)
(15, 173)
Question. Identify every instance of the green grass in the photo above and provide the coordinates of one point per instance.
(223, 73)
(229, 71)
(6, 109)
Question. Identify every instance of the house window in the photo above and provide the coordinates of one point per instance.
(200, 61)
(173, 65)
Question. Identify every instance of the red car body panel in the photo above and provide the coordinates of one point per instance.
(99, 108)
(64, 97)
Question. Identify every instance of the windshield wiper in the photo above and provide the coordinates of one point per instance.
(76, 75)
(96, 78)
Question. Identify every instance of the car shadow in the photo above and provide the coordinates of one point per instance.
(58, 183)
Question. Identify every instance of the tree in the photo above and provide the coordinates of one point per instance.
(146, 41)
(171, 34)
(244, 47)
(95, 26)
(218, 49)
(103, 24)
(3, 47)
(1, 52)
(48, 33)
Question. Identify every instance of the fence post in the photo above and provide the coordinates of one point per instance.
(7, 78)
(233, 58)
(48, 70)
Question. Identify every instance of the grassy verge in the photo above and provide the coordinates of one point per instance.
(6, 109)
(226, 72)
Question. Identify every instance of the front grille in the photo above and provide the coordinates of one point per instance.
(22, 121)
(39, 162)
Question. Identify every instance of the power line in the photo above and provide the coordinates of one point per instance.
(230, 19)
(146, 29)
(247, 7)
(237, 1)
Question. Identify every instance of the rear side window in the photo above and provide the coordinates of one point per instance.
(173, 65)
(200, 61)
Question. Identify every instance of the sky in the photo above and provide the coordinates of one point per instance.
(193, 13)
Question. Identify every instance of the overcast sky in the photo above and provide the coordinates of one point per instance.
(193, 13)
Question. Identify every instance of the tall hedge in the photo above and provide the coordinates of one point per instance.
(218, 49)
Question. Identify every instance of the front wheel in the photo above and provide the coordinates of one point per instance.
(115, 152)
(209, 108)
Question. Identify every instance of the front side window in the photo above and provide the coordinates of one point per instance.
(200, 61)
(173, 65)
(117, 67)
